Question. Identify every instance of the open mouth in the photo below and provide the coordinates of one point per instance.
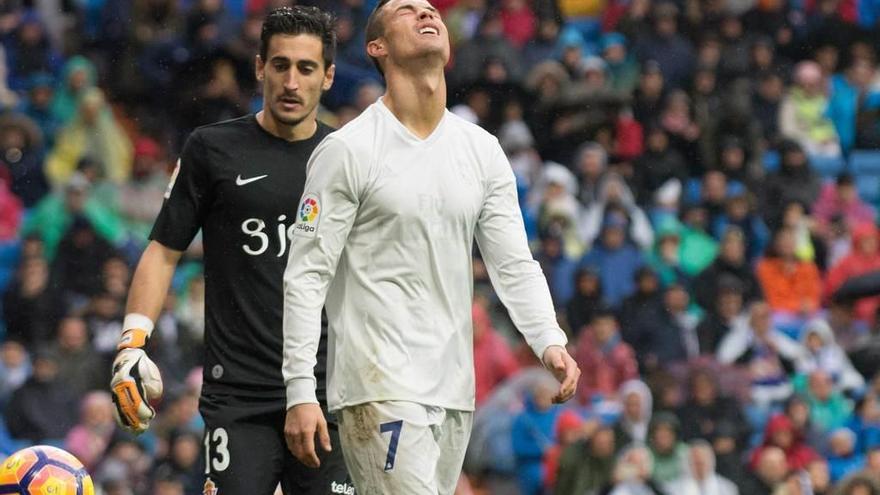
(429, 30)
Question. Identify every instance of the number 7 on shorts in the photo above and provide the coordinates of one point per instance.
(394, 427)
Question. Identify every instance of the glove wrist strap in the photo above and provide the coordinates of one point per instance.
(136, 330)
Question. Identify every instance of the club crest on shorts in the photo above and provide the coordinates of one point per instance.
(210, 488)
(307, 216)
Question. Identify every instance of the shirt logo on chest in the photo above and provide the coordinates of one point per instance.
(241, 182)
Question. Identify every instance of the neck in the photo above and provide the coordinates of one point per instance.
(417, 97)
(304, 129)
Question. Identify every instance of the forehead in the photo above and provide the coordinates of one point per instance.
(295, 47)
(393, 5)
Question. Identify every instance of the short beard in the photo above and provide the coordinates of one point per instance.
(288, 121)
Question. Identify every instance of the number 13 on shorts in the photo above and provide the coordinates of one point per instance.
(216, 459)
(394, 427)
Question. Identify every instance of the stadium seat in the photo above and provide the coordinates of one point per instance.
(827, 167)
(771, 161)
(864, 162)
(868, 187)
(9, 259)
(692, 191)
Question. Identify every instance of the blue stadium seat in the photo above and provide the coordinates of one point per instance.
(868, 187)
(9, 257)
(863, 162)
(827, 167)
(771, 161)
(692, 191)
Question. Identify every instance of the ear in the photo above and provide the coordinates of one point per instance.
(376, 48)
(259, 68)
(329, 74)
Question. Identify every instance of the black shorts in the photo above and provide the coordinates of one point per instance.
(246, 453)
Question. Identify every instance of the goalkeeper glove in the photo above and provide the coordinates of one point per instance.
(136, 380)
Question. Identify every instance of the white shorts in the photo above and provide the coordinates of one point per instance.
(404, 448)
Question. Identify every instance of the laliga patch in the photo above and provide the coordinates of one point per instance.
(308, 216)
(210, 488)
(172, 180)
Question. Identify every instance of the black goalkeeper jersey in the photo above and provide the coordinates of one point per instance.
(241, 186)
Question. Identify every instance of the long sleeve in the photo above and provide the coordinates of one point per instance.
(788, 123)
(733, 345)
(516, 276)
(641, 231)
(324, 218)
(811, 284)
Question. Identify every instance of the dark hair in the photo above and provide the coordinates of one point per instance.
(771, 251)
(375, 29)
(300, 20)
(602, 311)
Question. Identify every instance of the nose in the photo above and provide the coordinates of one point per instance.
(426, 14)
(291, 82)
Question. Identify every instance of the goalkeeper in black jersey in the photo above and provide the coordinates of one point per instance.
(240, 182)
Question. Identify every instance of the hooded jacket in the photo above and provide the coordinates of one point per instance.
(640, 230)
(604, 367)
(853, 265)
(668, 466)
(712, 484)
(829, 204)
(631, 430)
(830, 358)
(494, 362)
(66, 100)
(798, 454)
(532, 435)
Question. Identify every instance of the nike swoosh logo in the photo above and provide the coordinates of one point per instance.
(240, 182)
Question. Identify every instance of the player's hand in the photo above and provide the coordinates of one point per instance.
(302, 423)
(565, 369)
(136, 381)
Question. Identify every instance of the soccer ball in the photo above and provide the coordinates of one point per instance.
(44, 470)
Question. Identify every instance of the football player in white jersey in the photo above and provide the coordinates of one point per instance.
(384, 232)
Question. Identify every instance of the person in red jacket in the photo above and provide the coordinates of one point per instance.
(570, 428)
(494, 362)
(10, 212)
(781, 433)
(606, 361)
(864, 257)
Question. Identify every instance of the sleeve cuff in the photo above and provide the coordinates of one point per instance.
(553, 337)
(301, 391)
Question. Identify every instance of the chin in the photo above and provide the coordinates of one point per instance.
(289, 119)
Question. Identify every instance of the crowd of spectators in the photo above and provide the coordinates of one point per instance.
(671, 158)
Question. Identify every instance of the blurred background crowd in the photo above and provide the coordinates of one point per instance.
(699, 181)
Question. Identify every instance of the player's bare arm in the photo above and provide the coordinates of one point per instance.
(151, 280)
(136, 380)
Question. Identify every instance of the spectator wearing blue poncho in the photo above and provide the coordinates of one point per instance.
(843, 457)
(532, 435)
(852, 94)
(615, 258)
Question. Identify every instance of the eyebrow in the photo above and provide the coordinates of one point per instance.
(412, 7)
(281, 58)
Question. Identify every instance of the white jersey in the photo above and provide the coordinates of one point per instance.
(384, 232)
